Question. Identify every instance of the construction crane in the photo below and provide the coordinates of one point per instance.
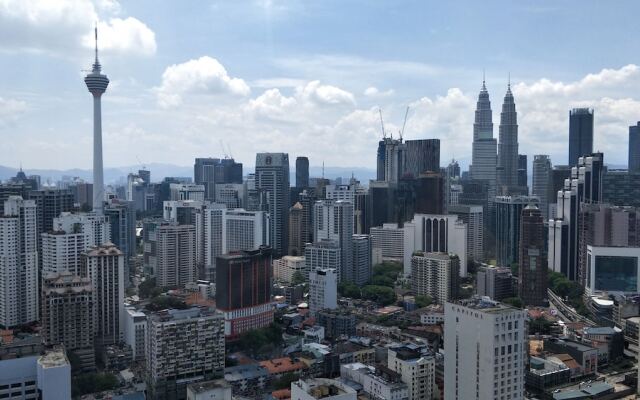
(384, 134)
(404, 123)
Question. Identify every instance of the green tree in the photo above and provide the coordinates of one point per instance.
(148, 289)
(297, 278)
(93, 383)
(423, 301)
(165, 302)
(513, 301)
(382, 295)
(348, 289)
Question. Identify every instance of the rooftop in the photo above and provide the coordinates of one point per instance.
(205, 386)
(53, 358)
(282, 365)
(485, 304)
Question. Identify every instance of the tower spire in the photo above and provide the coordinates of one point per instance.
(484, 86)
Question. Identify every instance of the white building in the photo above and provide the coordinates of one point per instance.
(105, 267)
(435, 275)
(18, 263)
(473, 217)
(416, 368)
(361, 259)
(436, 234)
(485, 350)
(187, 191)
(286, 267)
(322, 255)
(613, 269)
(321, 388)
(46, 377)
(95, 227)
(434, 314)
(375, 385)
(175, 255)
(323, 290)
(333, 220)
(218, 389)
(389, 238)
(232, 195)
(135, 332)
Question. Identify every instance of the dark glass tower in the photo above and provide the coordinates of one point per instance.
(634, 148)
(532, 279)
(483, 157)
(302, 172)
(272, 180)
(522, 170)
(580, 134)
(422, 156)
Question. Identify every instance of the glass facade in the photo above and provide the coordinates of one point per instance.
(616, 273)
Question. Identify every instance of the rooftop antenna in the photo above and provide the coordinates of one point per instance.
(384, 134)
(404, 123)
(95, 29)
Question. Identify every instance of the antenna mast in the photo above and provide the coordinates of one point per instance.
(404, 123)
(384, 134)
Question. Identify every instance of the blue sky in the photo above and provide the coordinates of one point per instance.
(189, 78)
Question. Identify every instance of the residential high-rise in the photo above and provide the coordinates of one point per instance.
(532, 276)
(334, 221)
(634, 148)
(477, 365)
(473, 216)
(302, 172)
(542, 183)
(323, 290)
(522, 171)
(388, 241)
(18, 263)
(97, 84)
(361, 259)
(296, 221)
(580, 134)
(243, 290)
(104, 266)
(422, 156)
(435, 275)
(175, 255)
(508, 217)
(417, 368)
(183, 346)
(286, 268)
(50, 203)
(507, 169)
(272, 179)
(484, 148)
(322, 255)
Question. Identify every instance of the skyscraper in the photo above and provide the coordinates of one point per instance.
(302, 172)
(50, 203)
(272, 179)
(176, 255)
(361, 259)
(97, 84)
(508, 217)
(522, 171)
(473, 216)
(435, 275)
(18, 263)
(204, 174)
(634, 147)
(580, 134)
(422, 155)
(429, 194)
(532, 278)
(508, 145)
(380, 160)
(296, 220)
(334, 221)
(484, 148)
(542, 186)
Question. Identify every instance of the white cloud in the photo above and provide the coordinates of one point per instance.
(373, 91)
(10, 110)
(202, 76)
(325, 94)
(65, 27)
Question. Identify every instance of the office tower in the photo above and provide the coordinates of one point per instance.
(187, 191)
(494, 282)
(621, 187)
(422, 156)
(323, 290)
(361, 212)
(473, 216)
(507, 169)
(244, 230)
(381, 202)
(477, 366)
(139, 192)
(334, 221)
(388, 242)
(322, 255)
(104, 266)
(122, 221)
(82, 195)
(50, 203)
(532, 276)
(326, 389)
(580, 134)
(18, 263)
(508, 217)
(286, 268)
(391, 159)
(542, 183)
(97, 84)
(135, 332)
(184, 346)
(213, 238)
(612, 269)
(232, 195)
(453, 169)
(204, 174)
(272, 178)
(380, 160)
(296, 221)
(404, 197)
(435, 275)
(522, 171)
(67, 314)
(302, 172)
(243, 290)
(416, 367)
(173, 255)
(429, 193)
(484, 147)
(436, 234)
(634, 148)
(361, 259)
(584, 186)
(307, 199)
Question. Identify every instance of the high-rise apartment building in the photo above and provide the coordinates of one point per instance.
(580, 134)
(18, 263)
(323, 290)
(302, 172)
(532, 276)
(435, 275)
(122, 221)
(487, 350)
(334, 221)
(175, 256)
(484, 148)
(243, 290)
(104, 265)
(322, 255)
(361, 259)
(473, 216)
(542, 185)
(183, 346)
(422, 155)
(417, 368)
(272, 179)
(634, 148)
(507, 169)
(50, 203)
(508, 217)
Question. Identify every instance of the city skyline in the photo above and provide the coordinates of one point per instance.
(205, 93)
